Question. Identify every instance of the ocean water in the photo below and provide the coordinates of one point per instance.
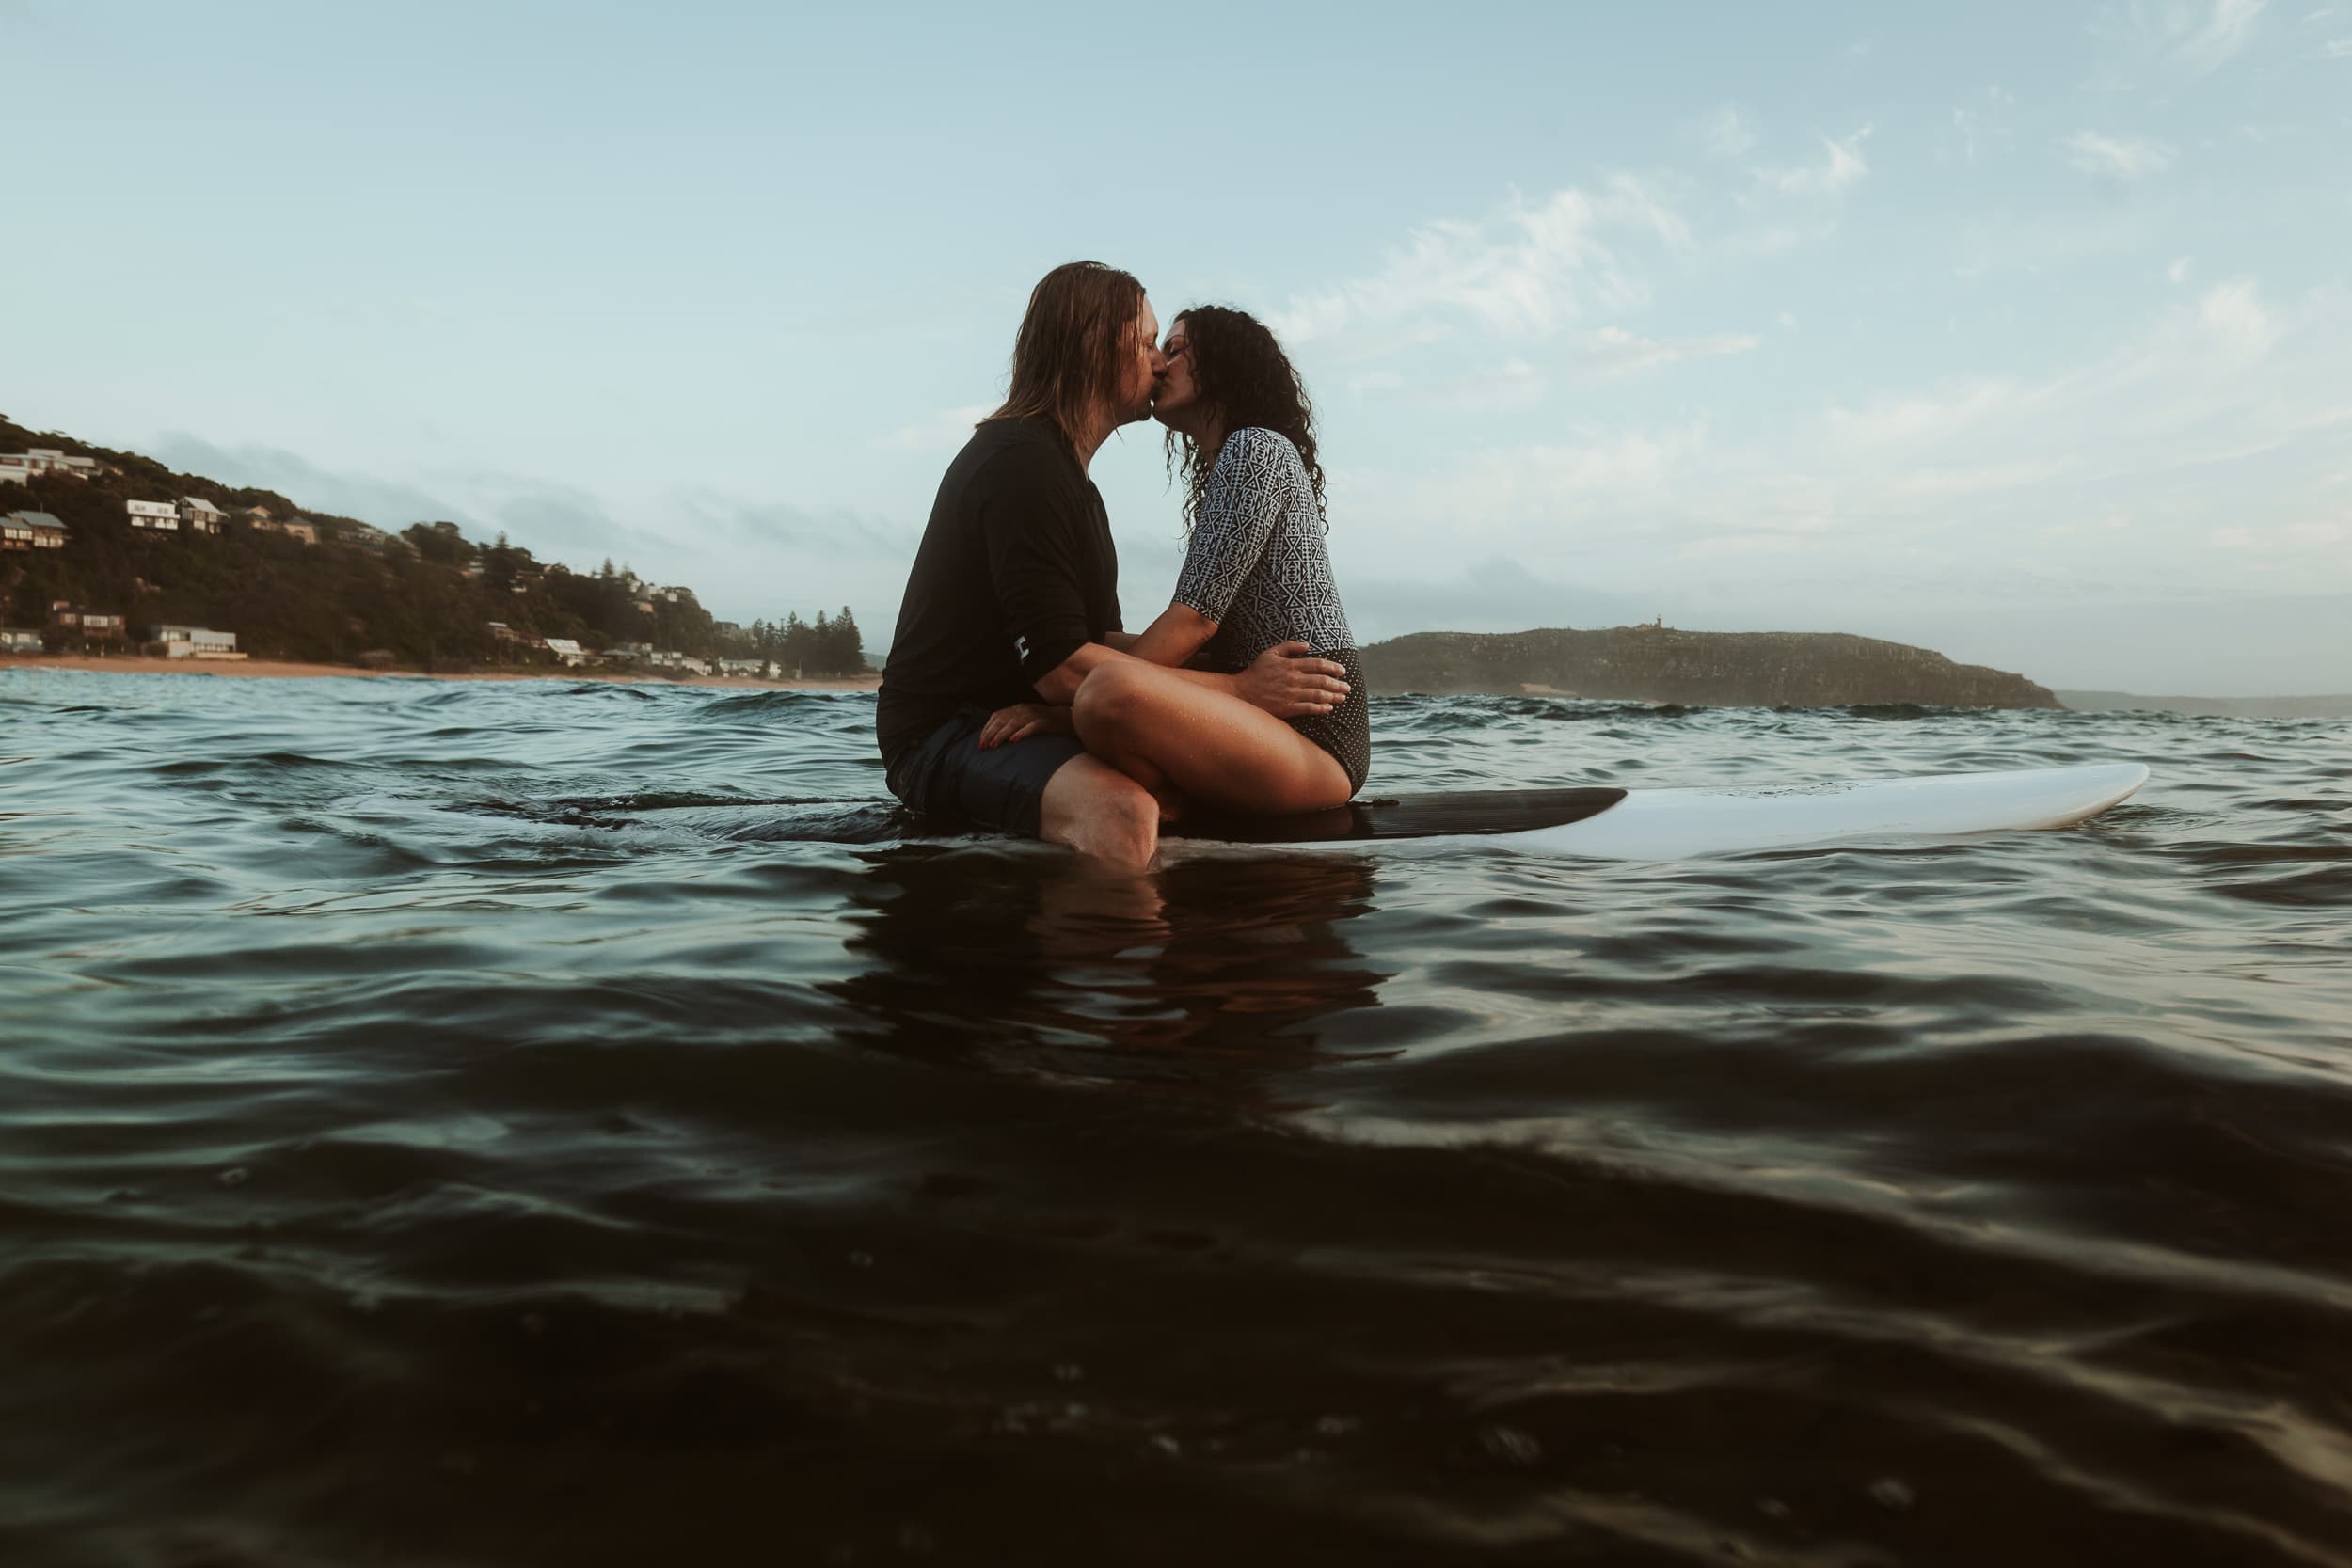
(424, 1141)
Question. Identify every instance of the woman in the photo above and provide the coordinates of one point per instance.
(1256, 575)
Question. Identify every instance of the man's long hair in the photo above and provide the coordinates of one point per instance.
(1069, 358)
(1242, 372)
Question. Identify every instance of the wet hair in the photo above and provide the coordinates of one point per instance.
(1242, 372)
(1068, 358)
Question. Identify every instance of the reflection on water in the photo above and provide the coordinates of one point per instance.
(480, 1124)
(1197, 982)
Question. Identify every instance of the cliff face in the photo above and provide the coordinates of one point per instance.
(1760, 669)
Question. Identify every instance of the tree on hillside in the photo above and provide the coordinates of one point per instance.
(439, 542)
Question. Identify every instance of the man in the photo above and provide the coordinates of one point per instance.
(1014, 594)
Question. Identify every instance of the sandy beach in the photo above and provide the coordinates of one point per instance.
(288, 669)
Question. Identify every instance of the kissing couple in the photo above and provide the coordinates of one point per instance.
(1014, 699)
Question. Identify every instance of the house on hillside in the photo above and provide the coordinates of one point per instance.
(65, 613)
(200, 515)
(567, 649)
(260, 519)
(31, 530)
(162, 516)
(48, 460)
(196, 642)
(15, 639)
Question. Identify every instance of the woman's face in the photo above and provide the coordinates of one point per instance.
(1179, 393)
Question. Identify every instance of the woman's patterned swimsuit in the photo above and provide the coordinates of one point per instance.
(1257, 567)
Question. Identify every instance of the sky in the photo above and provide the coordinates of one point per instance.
(2018, 331)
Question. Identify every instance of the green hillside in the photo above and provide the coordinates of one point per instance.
(424, 598)
(1662, 664)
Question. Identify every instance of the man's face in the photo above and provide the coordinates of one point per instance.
(1141, 367)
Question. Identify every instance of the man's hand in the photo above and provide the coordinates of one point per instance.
(1288, 682)
(1021, 721)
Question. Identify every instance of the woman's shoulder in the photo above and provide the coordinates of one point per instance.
(1256, 441)
(1254, 449)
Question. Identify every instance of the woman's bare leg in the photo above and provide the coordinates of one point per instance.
(1216, 749)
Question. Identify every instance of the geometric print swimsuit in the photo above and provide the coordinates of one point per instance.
(1257, 567)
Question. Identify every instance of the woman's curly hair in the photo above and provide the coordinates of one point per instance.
(1243, 373)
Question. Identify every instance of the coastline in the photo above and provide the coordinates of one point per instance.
(294, 669)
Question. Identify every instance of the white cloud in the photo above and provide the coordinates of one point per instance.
(1973, 480)
(1548, 480)
(1921, 510)
(1529, 271)
(1614, 351)
(2224, 32)
(2232, 313)
(1841, 165)
(2178, 270)
(1983, 130)
(1725, 135)
(1915, 419)
(1372, 382)
(2195, 36)
(1513, 384)
(1788, 320)
(1762, 542)
(2305, 535)
(2117, 157)
(2336, 49)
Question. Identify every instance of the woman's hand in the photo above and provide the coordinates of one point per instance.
(1288, 682)
(1021, 721)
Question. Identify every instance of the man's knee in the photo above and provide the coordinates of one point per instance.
(1096, 809)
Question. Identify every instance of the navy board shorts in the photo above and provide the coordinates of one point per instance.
(945, 777)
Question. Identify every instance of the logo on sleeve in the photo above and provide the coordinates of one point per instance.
(1021, 647)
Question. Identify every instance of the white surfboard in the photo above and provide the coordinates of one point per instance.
(1676, 824)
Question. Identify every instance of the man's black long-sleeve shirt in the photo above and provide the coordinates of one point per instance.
(1016, 572)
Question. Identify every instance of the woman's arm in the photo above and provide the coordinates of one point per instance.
(1174, 637)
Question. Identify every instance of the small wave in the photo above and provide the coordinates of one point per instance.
(1888, 710)
(754, 704)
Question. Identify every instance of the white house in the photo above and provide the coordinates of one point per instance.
(47, 460)
(162, 516)
(568, 650)
(196, 642)
(31, 530)
(200, 515)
